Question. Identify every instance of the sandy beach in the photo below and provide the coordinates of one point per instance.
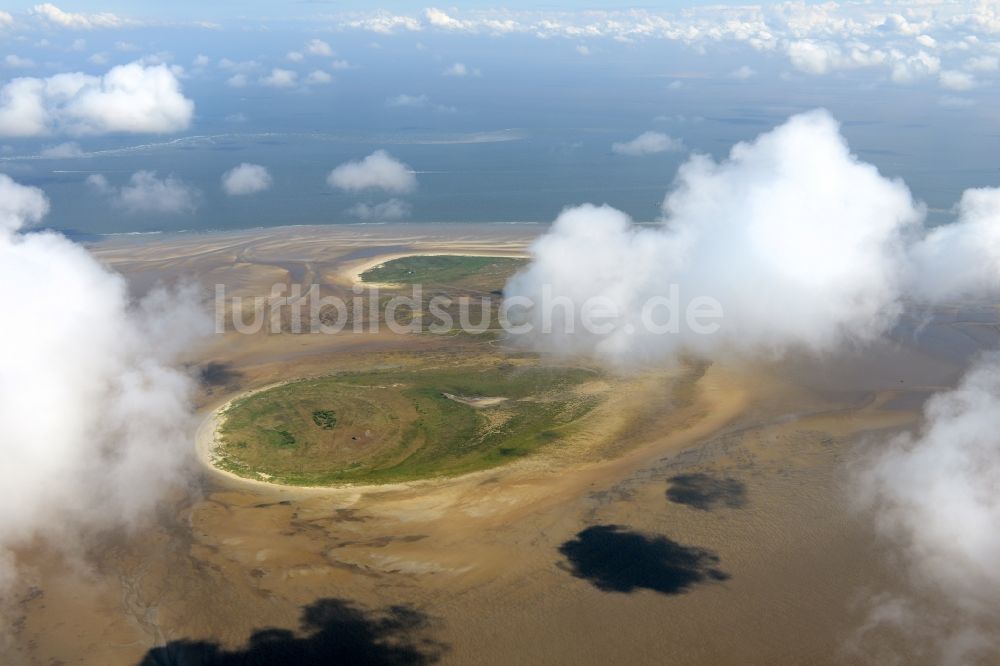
(484, 563)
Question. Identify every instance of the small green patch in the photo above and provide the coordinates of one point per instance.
(281, 439)
(325, 419)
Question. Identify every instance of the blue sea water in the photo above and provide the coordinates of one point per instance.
(528, 135)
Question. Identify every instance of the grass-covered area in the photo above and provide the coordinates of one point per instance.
(466, 272)
(405, 424)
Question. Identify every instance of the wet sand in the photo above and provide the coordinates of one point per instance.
(519, 564)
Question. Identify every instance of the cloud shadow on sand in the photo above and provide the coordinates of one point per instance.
(616, 560)
(333, 631)
(705, 492)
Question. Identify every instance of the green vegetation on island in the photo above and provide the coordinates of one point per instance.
(401, 424)
(465, 272)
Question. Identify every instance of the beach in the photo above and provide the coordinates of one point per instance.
(503, 565)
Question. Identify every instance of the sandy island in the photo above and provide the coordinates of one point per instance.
(480, 560)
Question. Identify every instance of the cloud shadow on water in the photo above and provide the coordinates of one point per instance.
(333, 631)
(616, 560)
(705, 492)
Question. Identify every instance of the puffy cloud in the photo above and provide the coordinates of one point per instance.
(393, 209)
(237, 81)
(384, 23)
(648, 143)
(797, 241)
(439, 19)
(294, 56)
(956, 80)
(459, 69)
(743, 73)
(129, 98)
(817, 38)
(417, 102)
(814, 57)
(986, 63)
(961, 259)
(20, 206)
(246, 179)
(318, 77)
(241, 67)
(907, 69)
(318, 47)
(380, 170)
(55, 16)
(6, 19)
(69, 149)
(17, 62)
(76, 347)
(147, 193)
(935, 496)
(583, 50)
(279, 78)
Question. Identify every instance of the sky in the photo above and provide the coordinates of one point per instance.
(502, 114)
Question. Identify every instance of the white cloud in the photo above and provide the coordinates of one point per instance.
(69, 149)
(417, 102)
(459, 69)
(279, 78)
(340, 64)
(17, 62)
(20, 206)
(318, 77)
(648, 143)
(934, 494)
(246, 179)
(6, 19)
(294, 56)
(128, 98)
(98, 59)
(393, 209)
(818, 38)
(963, 258)
(55, 16)
(384, 23)
(956, 80)
(380, 170)
(439, 19)
(583, 50)
(145, 192)
(318, 47)
(237, 81)
(74, 345)
(743, 73)
(816, 57)
(201, 60)
(986, 63)
(907, 69)
(242, 67)
(814, 235)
